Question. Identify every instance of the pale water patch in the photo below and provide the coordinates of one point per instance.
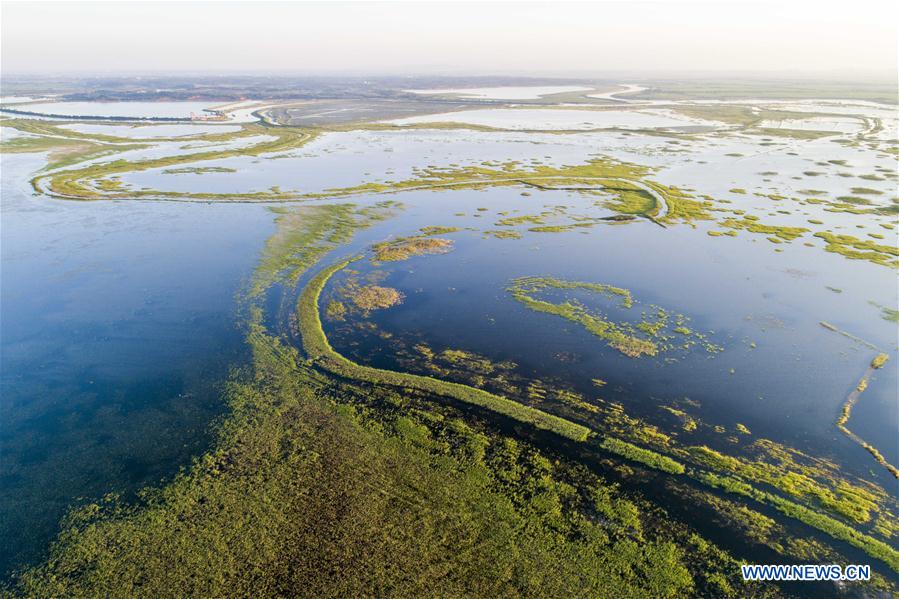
(150, 131)
(547, 118)
(626, 88)
(22, 99)
(134, 110)
(829, 123)
(504, 93)
(8, 133)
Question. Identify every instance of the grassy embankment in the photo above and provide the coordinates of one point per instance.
(833, 527)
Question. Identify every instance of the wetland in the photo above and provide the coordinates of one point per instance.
(535, 339)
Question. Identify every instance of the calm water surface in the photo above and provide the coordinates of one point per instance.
(118, 328)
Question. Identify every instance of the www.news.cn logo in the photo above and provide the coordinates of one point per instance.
(806, 572)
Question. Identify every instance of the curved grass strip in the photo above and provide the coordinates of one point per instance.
(836, 529)
(644, 456)
(316, 345)
(80, 183)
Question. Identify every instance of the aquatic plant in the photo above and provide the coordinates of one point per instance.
(404, 248)
(336, 310)
(198, 170)
(860, 249)
(751, 224)
(622, 336)
(644, 456)
(500, 234)
(307, 233)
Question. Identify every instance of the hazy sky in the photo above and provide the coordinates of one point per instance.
(440, 37)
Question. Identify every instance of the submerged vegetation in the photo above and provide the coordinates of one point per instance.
(404, 503)
(375, 297)
(647, 337)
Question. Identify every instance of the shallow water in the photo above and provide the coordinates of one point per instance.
(118, 327)
(120, 109)
(505, 92)
(549, 118)
(150, 131)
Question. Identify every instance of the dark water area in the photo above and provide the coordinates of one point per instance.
(118, 330)
(781, 374)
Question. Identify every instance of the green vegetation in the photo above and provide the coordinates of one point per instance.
(198, 170)
(879, 360)
(336, 310)
(439, 230)
(873, 547)
(618, 336)
(791, 133)
(304, 497)
(644, 456)
(404, 248)
(375, 297)
(82, 183)
(63, 152)
(866, 191)
(855, 503)
(306, 234)
(648, 337)
(748, 223)
(860, 249)
(500, 234)
(846, 413)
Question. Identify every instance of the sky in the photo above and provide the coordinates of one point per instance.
(516, 38)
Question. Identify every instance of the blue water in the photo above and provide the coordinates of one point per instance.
(118, 328)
